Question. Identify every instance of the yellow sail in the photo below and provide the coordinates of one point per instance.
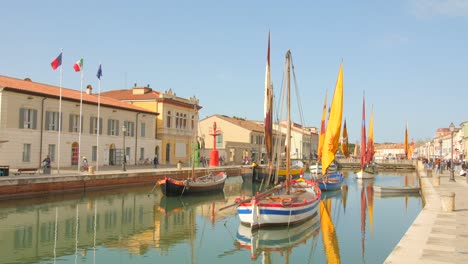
(332, 136)
(370, 139)
(330, 240)
(322, 128)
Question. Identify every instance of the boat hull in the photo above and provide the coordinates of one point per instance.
(363, 174)
(332, 182)
(280, 209)
(204, 184)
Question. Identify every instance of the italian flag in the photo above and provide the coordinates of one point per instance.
(78, 65)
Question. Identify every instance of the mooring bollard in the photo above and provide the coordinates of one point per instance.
(448, 201)
(429, 173)
(436, 180)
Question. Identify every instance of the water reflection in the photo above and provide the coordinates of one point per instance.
(264, 242)
(132, 225)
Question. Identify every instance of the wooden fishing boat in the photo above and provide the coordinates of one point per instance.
(331, 182)
(290, 203)
(213, 182)
(396, 189)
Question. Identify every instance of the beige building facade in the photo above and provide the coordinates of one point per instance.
(29, 127)
(176, 125)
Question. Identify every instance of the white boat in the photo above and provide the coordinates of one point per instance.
(317, 168)
(396, 189)
(364, 174)
(290, 203)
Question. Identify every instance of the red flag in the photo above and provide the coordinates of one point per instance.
(57, 62)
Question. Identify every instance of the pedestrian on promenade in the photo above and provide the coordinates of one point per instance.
(155, 161)
(46, 165)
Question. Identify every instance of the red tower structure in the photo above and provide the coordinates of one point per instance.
(214, 155)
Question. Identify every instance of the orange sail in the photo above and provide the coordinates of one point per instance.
(406, 142)
(322, 128)
(344, 141)
(332, 136)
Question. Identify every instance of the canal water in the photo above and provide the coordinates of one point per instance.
(140, 225)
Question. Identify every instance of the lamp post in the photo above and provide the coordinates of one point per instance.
(440, 159)
(124, 131)
(452, 129)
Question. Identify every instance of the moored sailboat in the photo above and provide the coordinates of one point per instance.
(367, 148)
(290, 203)
(332, 181)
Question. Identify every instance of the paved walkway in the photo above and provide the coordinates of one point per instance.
(437, 236)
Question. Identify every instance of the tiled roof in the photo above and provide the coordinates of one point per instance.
(249, 125)
(39, 89)
(128, 95)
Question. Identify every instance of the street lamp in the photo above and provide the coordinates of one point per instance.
(124, 131)
(451, 128)
(440, 159)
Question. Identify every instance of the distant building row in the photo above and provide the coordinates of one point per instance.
(157, 124)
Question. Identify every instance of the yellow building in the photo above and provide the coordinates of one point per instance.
(176, 124)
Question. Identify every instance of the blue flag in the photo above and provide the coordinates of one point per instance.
(99, 72)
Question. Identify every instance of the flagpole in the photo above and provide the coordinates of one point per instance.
(81, 116)
(98, 116)
(60, 119)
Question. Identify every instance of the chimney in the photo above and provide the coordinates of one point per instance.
(89, 89)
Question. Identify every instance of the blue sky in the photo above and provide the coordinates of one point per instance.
(410, 57)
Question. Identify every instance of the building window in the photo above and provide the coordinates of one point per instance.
(94, 126)
(142, 153)
(74, 123)
(219, 140)
(113, 127)
(168, 119)
(28, 118)
(51, 152)
(143, 130)
(185, 121)
(130, 128)
(52, 121)
(193, 122)
(26, 152)
(177, 120)
(94, 153)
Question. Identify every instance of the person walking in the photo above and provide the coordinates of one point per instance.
(155, 161)
(46, 165)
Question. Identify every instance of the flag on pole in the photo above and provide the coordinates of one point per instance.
(99, 72)
(78, 65)
(57, 62)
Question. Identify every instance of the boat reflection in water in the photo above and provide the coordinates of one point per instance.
(263, 242)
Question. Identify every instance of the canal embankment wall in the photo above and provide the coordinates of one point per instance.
(17, 186)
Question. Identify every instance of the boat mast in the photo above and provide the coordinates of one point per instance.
(288, 131)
